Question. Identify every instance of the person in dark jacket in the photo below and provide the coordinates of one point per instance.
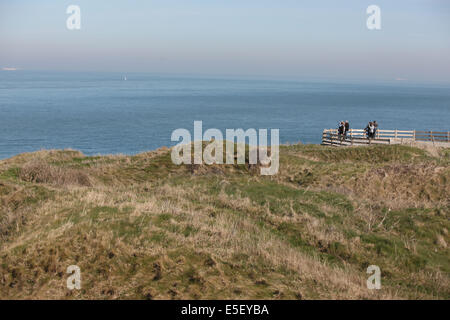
(375, 125)
(346, 128)
(341, 129)
(370, 129)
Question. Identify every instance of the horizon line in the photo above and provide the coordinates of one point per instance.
(311, 78)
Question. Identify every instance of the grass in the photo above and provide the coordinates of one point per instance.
(141, 227)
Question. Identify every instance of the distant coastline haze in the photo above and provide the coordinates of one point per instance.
(300, 39)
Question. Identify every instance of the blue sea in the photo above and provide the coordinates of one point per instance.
(101, 113)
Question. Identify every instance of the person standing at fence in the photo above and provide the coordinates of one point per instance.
(366, 130)
(346, 128)
(370, 130)
(341, 129)
(375, 125)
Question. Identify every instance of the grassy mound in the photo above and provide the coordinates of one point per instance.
(142, 227)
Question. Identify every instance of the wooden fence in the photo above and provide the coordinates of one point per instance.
(359, 137)
(435, 136)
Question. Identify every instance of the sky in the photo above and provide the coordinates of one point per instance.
(281, 38)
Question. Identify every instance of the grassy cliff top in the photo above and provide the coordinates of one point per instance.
(142, 227)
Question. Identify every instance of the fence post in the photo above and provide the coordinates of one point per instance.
(414, 135)
(448, 136)
(395, 133)
(431, 136)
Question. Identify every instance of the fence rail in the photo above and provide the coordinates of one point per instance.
(438, 136)
(359, 137)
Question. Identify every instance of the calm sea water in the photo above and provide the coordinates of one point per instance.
(103, 114)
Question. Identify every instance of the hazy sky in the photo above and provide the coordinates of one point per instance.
(292, 38)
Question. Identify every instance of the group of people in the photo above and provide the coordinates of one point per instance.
(344, 127)
(370, 130)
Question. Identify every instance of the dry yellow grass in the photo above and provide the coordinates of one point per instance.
(41, 172)
(141, 227)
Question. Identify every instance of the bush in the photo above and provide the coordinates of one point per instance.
(41, 172)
